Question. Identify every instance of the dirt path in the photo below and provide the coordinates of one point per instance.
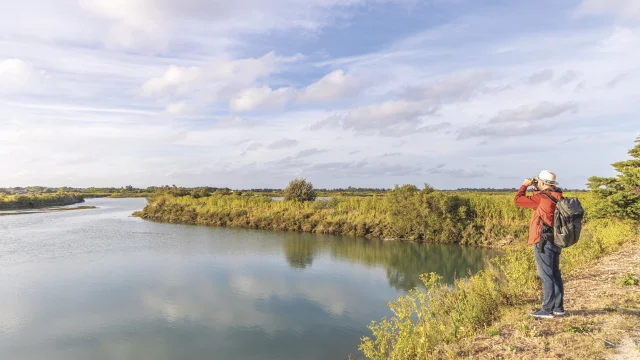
(603, 320)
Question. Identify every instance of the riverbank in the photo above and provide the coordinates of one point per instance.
(603, 320)
(455, 321)
(38, 201)
(46, 210)
(406, 213)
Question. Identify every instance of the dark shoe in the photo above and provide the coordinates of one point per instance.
(542, 314)
(559, 313)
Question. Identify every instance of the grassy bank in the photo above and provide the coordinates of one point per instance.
(120, 195)
(14, 213)
(402, 213)
(37, 201)
(429, 324)
(603, 322)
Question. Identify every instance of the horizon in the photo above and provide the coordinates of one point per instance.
(258, 189)
(454, 93)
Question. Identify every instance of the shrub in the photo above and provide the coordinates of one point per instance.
(619, 197)
(299, 190)
(424, 320)
(628, 280)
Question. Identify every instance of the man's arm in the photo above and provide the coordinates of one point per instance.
(523, 200)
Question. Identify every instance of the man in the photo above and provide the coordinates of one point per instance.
(547, 254)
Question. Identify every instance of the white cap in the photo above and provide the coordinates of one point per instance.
(547, 177)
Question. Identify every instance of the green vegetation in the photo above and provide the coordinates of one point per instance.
(406, 212)
(299, 190)
(425, 324)
(628, 280)
(92, 192)
(619, 197)
(36, 201)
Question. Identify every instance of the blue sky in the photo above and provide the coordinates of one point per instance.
(371, 93)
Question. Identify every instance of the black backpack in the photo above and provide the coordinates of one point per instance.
(567, 221)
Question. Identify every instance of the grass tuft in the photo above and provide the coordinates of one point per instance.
(628, 280)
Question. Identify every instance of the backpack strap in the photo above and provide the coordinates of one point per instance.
(555, 202)
(550, 197)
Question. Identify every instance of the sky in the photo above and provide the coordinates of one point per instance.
(364, 93)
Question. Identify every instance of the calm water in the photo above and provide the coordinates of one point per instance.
(99, 284)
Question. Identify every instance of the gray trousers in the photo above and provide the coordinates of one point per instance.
(548, 263)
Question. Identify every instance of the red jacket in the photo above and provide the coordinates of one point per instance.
(543, 209)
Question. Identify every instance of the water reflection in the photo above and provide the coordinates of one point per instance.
(403, 261)
(300, 251)
(102, 285)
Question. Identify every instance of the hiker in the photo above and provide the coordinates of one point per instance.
(547, 254)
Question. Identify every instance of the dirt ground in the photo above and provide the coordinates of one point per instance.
(603, 320)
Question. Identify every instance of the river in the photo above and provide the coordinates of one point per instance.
(100, 284)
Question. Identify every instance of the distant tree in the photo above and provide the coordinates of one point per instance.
(300, 190)
(200, 192)
(224, 191)
(619, 197)
(428, 188)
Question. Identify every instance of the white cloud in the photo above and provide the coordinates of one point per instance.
(391, 118)
(247, 70)
(154, 23)
(540, 77)
(441, 169)
(335, 85)
(175, 79)
(207, 62)
(529, 113)
(624, 8)
(133, 21)
(221, 79)
(178, 109)
(522, 121)
(16, 74)
(452, 87)
(250, 99)
(283, 144)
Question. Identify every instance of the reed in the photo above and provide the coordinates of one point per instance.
(36, 201)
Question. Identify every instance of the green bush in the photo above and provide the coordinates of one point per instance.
(628, 280)
(619, 197)
(424, 320)
(34, 201)
(403, 213)
(299, 190)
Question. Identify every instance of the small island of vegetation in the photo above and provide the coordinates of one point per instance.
(37, 200)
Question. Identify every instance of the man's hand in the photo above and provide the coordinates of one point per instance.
(527, 182)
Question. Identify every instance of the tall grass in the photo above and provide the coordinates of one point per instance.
(404, 213)
(424, 322)
(34, 201)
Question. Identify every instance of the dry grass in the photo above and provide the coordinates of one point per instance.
(603, 320)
